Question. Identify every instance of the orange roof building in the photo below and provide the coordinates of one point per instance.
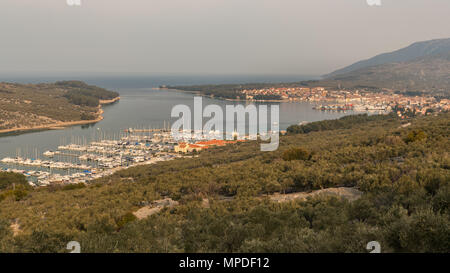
(183, 147)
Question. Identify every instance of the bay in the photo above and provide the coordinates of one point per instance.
(141, 106)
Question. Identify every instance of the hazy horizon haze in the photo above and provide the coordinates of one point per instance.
(212, 37)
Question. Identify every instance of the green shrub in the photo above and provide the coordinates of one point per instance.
(415, 135)
(7, 179)
(125, 219)
(73, 186)
(296, 154)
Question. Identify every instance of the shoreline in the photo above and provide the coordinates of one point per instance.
(221, 98)
(105, 102)
(246, 100)
(198, 93)
(63, 124)
(227, 99)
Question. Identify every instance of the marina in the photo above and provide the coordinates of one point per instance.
(81, 163)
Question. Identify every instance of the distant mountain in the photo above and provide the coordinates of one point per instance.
(423, 66)
(412, 52)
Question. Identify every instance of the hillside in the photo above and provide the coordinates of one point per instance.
(239, 199)
(37, 106)
(410, 53)
(422, 67)
(425, 74)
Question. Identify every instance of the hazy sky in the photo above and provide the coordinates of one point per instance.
(306, 37)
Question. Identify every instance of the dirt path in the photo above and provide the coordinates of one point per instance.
(350, 194)
(155, 207)
(146, 211)
(15, 227)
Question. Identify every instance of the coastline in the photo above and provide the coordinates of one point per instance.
(225, 99)
(105, 102)
(62, 124)
(198, 93)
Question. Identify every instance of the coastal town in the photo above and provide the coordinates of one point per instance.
(358, 100)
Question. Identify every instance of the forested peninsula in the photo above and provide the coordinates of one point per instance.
(25, 107)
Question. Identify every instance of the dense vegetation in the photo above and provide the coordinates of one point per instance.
(226, 91)
(80, 93)
(34, 105)
(233, 91)
(13, 185)
(9, 179)
(346, 122)
(404, 173)
(427, 74)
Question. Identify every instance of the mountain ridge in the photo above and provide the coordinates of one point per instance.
(421, 67)
(409, 53)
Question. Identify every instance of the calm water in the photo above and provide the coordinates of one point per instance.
(138, 108)
(141, 106)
